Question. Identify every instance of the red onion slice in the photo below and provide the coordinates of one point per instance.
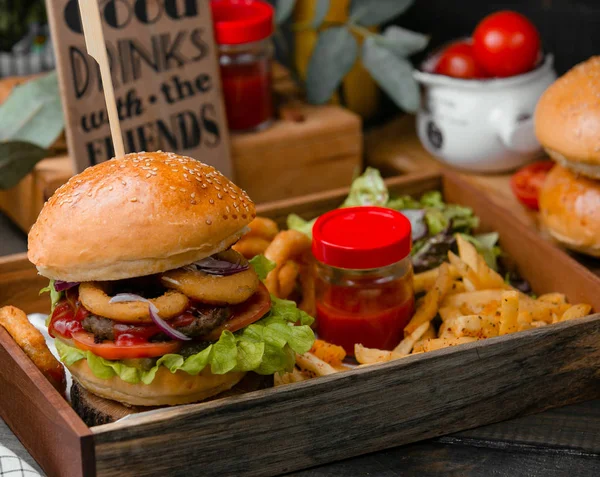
(215, 266)
(158, 321)
(60, 286)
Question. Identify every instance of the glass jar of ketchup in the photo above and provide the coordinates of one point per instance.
(364, 287)
(243, 30)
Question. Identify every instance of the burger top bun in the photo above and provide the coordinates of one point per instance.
(567, 119)
(570, 210)
(141, 214)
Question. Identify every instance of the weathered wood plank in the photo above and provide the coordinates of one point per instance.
(40, 417)
(332, 418)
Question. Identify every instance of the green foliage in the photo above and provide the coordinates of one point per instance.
(333, 57)
(17, 158)
(31, 119)
(384, 55)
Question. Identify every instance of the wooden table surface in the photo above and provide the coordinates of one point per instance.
(558, 442)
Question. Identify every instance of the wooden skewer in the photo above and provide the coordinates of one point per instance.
(96, 48)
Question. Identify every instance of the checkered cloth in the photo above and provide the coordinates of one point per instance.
(13, 466)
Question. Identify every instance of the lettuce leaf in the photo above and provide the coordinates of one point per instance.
(262, 266)
(295, 222)
(367, 189)
(55, 296)
(265, 347)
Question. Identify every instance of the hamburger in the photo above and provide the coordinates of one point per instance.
(567, 124)
(150, 305)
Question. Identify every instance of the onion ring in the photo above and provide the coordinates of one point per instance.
(94, 298)
(211, 289)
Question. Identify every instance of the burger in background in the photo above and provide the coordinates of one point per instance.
(567, 124)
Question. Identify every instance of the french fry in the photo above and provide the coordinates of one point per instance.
(576, 311)
(457, 286)
(424, 281)
(372, 355)
(250, 247)
(467, 253)
(263, 228)
(406, 345)
(431, 302)
(553, 298)
(287, 278)
(468, 274)
(286, 245)
(32, 342)
(328, 352)
(310, 362)
(439, 343)
(509, 312)
(449, 312)
(475, 326)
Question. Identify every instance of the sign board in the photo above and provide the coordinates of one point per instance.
(164, 67)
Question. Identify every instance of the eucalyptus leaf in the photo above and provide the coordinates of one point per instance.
(393, 74)
(332, 58)
(33, 112)
(17, 158)
(376, 12)
(283, 10)
(403, 42)
(321, 10)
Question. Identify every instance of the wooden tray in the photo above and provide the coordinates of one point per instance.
(322, 420)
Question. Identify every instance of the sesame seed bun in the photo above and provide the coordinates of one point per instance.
(570, 210)
(141, 214)
(567, 119)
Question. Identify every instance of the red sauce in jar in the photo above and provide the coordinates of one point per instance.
(247, 93)
(373, 317)
(364, 277)
(243, 32)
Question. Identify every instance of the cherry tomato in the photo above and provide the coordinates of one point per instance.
(245, 313)
(114, 351)
(506, 44)
(459, 61)
(527, 182)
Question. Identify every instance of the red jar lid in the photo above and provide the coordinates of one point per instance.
(360, 238)
(241, 21)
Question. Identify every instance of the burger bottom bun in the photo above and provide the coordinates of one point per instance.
(583, 168)
(167, 389)
(570, 210)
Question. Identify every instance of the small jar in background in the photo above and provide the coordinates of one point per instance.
(243, 30)
(364, 285)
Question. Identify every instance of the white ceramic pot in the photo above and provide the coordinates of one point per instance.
(481, 125)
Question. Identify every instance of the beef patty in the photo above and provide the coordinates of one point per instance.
(204, 321)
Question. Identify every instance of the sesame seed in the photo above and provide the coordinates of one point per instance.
(122, 166)
(110, 188)
(208, 221)
(217, 187)
(172, 187)
(193, 195)
(133, 199)
(182, 189)
(123, 182)
(204, 186)
(227, 209)
(198, 179)
(219, 196)
(148, 175)
(193, 202)
(211, 201)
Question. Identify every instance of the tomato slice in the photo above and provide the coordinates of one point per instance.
(113, 351)
(527, 182)
(244, 314)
